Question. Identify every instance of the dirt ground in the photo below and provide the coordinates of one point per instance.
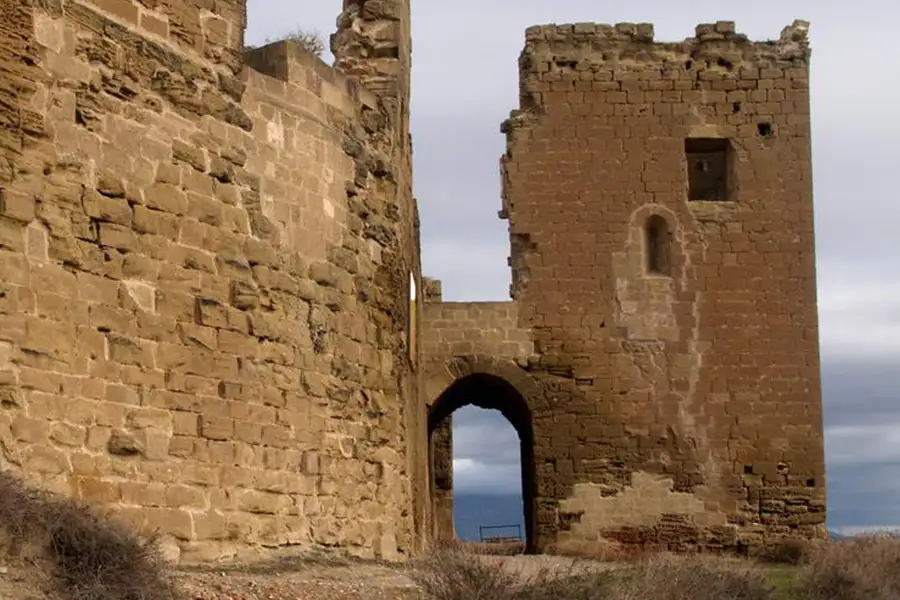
(311, 579)
(307, 580)
(286, 577)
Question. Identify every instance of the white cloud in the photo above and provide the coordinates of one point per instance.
(860, 317)
(853, 445)
(462, 466)
(474, 477)
(866, 529)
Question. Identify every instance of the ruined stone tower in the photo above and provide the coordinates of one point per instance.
(659, 199)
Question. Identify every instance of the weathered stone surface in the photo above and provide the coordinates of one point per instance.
(164, 343)
(122, 443)
(663, 268)
(208, 264)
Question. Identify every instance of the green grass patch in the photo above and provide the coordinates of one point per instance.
(785, 581)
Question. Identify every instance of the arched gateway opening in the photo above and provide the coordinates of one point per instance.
(491, 392)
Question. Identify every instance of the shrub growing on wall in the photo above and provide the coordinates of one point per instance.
(310, 41)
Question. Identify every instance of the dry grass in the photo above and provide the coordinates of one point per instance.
(91, 558)
(505, 548)
(86, 557)
(451, 573)
(861, 569)
(668, 577)
(603, 552)
(788, 552)
(867, 568)
(456, 574)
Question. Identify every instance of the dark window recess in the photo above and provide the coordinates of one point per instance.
(658, 243)
(707, 168)
(765, 129)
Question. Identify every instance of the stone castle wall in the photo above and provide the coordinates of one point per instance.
(204, 279)
(660, 206)
(208, 258)
(473, 328)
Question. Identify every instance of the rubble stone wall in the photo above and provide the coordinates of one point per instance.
(204, 281)
(661, 222)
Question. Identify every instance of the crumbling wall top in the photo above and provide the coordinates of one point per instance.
(293, 65)
(792, 43)
(432, 289)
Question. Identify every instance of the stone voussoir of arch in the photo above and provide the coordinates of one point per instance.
(445, 374)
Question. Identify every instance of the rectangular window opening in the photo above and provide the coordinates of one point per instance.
(708, 169)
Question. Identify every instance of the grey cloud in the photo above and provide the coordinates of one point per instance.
(469, 271)
(465, 83)
(485, 452)
(485, 436)
(864, 496)
(860, 393)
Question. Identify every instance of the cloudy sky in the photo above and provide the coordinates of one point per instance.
(464, 85)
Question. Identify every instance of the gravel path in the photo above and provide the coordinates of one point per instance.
(290, 577)
(310, 579)
(296, 578)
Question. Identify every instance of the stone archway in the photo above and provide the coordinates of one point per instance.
(491, 383)
(442, 377)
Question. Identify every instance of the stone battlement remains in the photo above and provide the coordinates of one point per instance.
(794, 35)
(307, 75)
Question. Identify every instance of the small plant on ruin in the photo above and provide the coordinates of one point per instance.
(310, 41)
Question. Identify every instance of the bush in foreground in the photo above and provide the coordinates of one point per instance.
(788, 552)
(858, 569)
(454, 574)
(94, 559)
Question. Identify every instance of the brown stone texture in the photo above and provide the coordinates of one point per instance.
(467, 328)
(204, 280)
(213, 321)
(661, 221)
